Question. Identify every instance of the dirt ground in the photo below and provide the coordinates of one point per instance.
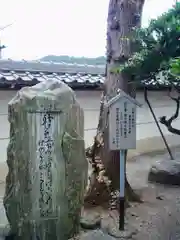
(158, 217)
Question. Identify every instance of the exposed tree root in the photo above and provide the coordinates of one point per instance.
(97, 193)
(100, 190)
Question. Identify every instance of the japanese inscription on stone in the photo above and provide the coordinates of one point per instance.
(42, 161)
(45, 151)
(122, 127)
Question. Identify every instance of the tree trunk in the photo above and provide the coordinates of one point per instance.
(123, 17)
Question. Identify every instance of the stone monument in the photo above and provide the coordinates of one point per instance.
(47, 174)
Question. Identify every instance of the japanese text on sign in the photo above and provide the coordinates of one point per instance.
(122, 125)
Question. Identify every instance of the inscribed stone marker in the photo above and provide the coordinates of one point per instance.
(47, 165)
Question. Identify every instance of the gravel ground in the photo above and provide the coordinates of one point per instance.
(158, 217)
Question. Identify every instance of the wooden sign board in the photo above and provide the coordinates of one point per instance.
(122, 123)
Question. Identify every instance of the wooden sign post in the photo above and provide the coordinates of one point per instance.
(122, 136)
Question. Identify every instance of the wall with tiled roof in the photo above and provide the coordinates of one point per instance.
(28, 73)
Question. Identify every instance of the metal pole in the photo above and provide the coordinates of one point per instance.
(122, 190)
(156, 121)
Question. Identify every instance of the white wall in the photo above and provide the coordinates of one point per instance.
(90, 101)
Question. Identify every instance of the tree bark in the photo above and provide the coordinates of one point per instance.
(123, 17)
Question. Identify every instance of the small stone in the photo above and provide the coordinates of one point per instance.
(90, 220)
(159, 197)
(134, 214)
(165, 172)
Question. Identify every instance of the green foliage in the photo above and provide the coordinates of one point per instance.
(175, 67)
(78, 60)
(160, 43)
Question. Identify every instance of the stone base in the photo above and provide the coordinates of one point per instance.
(165, 172)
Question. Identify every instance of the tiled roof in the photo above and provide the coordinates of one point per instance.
(25, 73)
(31, 78)
(28, 73)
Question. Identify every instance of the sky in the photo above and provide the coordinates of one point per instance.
(60, 27)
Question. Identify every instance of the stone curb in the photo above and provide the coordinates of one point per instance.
(153, 145)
